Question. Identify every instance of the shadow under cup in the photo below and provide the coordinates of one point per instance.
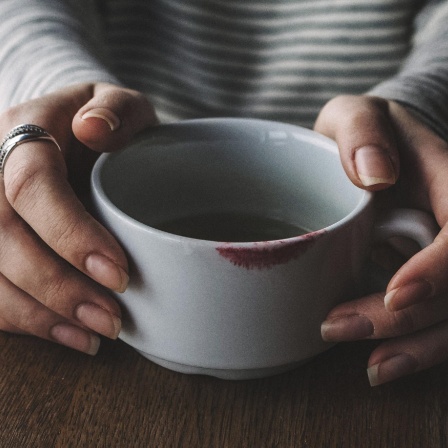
(242, 235)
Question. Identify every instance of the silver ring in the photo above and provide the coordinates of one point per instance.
(21, 134)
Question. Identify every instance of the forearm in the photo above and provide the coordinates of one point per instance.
(46, 45)
(422, 84)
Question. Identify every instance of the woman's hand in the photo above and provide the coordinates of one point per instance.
(375, 137)
(55, 259)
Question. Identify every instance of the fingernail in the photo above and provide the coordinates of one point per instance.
(98, 319)
(407, 295)
(346, 328)
(374, 166)
(106, 272)
(104, 114)
(75, 337)
(391, 369)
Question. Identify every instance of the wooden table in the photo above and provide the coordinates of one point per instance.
(51, 396)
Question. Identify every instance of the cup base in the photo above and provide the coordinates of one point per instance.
(225, 374)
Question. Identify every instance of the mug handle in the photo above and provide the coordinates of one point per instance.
(414, 224)
(410, 223)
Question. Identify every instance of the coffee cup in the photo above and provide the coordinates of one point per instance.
(241, 235)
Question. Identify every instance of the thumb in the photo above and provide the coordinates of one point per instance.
(112, 117)
(362, 128)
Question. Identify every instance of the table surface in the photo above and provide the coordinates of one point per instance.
(51, 396)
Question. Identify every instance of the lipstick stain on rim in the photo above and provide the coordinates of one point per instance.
(267, 254)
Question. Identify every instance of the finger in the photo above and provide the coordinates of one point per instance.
(422, 278)
(425, 162)
(366, 318)
(112, 117)
(21, 313)
(38, 271)
(361, 127)
(37, 188)
(408, 354)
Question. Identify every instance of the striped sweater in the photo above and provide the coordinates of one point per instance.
(276, 59)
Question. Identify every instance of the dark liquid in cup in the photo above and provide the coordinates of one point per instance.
(234, 227)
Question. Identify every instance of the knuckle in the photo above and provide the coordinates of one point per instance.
(67, 234)
(28, 319)
(31, 318)
(21, 181)
(9, 222)
(29, 169)
(56, 290)
(58, 304)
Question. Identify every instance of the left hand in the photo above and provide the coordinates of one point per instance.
(384, 147)
(56, 260)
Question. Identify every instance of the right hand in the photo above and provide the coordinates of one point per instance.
(56, 261)
(385, 146)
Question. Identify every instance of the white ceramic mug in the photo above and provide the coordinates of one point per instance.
(237, 309)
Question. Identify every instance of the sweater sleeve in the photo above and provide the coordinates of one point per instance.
(422, 83)
(49, 44)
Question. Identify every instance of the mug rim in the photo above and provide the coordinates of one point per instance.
(98, 193)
